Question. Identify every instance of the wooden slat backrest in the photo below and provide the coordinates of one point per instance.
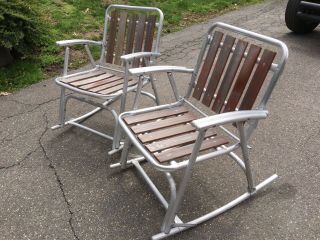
(232, 73)
(129, 32)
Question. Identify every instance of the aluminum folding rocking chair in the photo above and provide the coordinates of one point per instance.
(131, 39)
(234, 76)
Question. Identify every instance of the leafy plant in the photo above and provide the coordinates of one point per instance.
(21, 28)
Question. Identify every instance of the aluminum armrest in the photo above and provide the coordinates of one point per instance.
(229, 117)
(131, 56)
(152, 69)
(76, 42)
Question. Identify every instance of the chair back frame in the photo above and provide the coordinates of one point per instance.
(108, 21)
(276, 68)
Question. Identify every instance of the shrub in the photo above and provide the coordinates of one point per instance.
(21, 28)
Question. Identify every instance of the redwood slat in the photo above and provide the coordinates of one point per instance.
(149, 32)
(231, 72)
(243, 78)
(150, 126)
(174, 153)
(82, 76)
(257, 79)
(182, 139)
(121, 37)
(110, 79)
(112, 36)
(155, 115)
(131, 33)
(139, 36)
(218, 70)
(167, 132)
(118, 87)
(207, 65)
(91, 80)
(117, 81)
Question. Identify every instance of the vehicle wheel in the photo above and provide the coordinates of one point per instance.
(293, 22)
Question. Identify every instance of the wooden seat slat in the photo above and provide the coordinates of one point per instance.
(243, 78)
(107, 85)
(82, 76)
(177, 152)
(167, 132)
(154, 115)
(257, 79)
(218, 70)
(207, 65)
(231, 72)
(91, 80)
(182, 139)
(114, 89)
(150, 126)
(110, 79)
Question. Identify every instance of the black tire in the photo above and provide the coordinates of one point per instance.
(293, 22)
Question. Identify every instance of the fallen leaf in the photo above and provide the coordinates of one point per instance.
(4, 93)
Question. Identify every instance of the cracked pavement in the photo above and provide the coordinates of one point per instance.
(58, 184)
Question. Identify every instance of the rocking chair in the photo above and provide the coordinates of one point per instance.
(234, 76)
(128, 41)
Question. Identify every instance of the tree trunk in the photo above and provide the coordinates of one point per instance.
(5, 56)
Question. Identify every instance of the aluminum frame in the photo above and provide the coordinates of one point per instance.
(246, 122)
(106, 100)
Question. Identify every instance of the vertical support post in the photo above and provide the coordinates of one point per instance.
(90, 55)
(154, 89)
(138, 92)
(117, 129)
(245, 154)
(125, 86)
(173, 208)
(62, 106)
(156, 95)
(66, 61)
(173, 85)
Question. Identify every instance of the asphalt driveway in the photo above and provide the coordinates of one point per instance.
(58, 184)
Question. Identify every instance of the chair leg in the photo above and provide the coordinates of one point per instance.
(245, 154)
(116, 135)
(125, 152)
(62, 109)
(174, 207)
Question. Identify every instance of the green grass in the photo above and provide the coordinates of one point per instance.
(70, 19)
